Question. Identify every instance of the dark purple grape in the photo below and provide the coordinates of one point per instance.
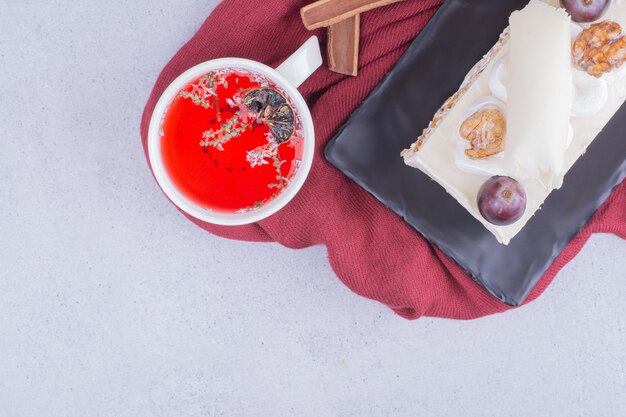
(586, 11)
(502, 201)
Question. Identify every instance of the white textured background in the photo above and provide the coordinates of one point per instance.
(111, 304)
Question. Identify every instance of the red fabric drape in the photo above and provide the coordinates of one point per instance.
(370, 248)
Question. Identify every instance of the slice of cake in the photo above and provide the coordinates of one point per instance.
(528, 110)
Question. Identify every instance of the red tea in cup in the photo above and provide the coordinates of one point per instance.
(231, 140)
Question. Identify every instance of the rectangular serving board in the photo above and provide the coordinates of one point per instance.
(367, 149)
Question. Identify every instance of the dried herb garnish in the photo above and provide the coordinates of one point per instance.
(231, 129)
(282, 181)
(202, 93)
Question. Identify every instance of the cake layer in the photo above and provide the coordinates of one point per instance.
(539, 93)
(434, 152)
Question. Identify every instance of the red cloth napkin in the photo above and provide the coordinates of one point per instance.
(370, 248)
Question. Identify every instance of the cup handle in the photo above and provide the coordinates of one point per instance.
(299, 66)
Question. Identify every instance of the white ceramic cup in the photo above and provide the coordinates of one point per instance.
(289, 75)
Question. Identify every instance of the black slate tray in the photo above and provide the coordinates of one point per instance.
(367, 149)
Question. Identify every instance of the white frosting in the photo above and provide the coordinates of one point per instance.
(575, 30)
(438, 155)
(498, 78)
(539, 91)
(589, 96)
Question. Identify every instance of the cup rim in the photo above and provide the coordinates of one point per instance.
(206, 214)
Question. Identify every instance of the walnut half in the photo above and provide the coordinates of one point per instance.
(599, 49)
(485, 131)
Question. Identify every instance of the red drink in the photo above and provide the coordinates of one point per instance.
(231, 140)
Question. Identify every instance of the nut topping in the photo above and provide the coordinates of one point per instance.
(485, 131)
(599, 49)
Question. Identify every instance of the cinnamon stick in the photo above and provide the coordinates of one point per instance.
(343, 46)
(324, 13)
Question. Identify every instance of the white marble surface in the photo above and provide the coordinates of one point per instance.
(111, 304)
